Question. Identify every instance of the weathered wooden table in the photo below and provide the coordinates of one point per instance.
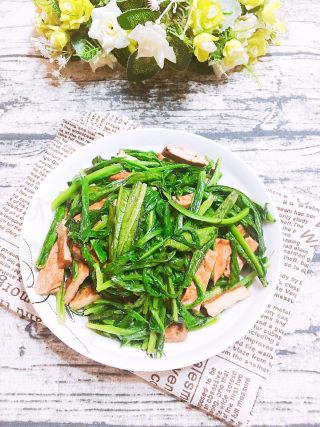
(275, 127)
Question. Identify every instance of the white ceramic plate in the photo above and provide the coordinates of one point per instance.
(233, 323)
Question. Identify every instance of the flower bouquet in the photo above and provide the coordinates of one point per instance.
(207, 36)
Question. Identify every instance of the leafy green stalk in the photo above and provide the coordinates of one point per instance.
(113, 330)
(179, 223)
(119, 215)
(167, 230)
(87, 255)
(76, 184)
(195, 262)
(143, 240)
(85, 224)
(253, 258)
(143, 155)
(174, 305)
(216, 174)
(60, 305)
(217, 290)
(195, 321)
(51, 237)
(234, 263)
(97, 194)
(198, 194)
(99, 277)
(100, 225)
(226, 205)
(153, 249)
(99, 250)
(130, 218)
(151, 219)
(260, 213)
(152, 343)
(203, 234)
(211, 220)
(200, 291)
(206, 205)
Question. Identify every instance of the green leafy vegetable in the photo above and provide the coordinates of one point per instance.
(60, 305)
(76, 184)
(51, 237)
(144, 251)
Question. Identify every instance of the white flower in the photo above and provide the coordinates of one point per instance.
(42, 44)
(56, 74)
(152, 41)
(62, 61)
(245, 26)
(101, 60)
(231, 10)
(153, 5)
(106, 29)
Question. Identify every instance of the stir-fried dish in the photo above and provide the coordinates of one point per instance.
(149, 246)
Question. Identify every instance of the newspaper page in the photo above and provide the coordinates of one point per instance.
(227, 385)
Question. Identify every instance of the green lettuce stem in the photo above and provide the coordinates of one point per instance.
(211, 220)
(255, 261)
(76, 184)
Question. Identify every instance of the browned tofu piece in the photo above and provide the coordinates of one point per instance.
(64, 253)
(77, 217)
(97, 205)
(77, 252)
(54, 291)
(73, 285)
(120, 175)
(51, 276)
(180, 155)
(185, 201)
(83, 297)
(222, 262)
(94, 207)
(225, 300)
(241, 230)
(176, 332)
(190, 294)
(203, 274)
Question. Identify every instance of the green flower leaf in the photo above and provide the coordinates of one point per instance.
(99, 3)
(129, 19)
(140, 69)
(202, 68)
(182, 52)
(130, 4)
(122, 55)
(86, 49)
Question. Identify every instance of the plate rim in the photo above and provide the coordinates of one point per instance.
(245, 326)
